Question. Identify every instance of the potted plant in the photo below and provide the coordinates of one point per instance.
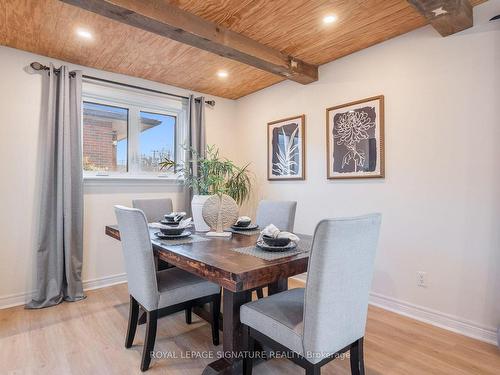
(215, 176)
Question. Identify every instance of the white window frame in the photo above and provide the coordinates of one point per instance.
(136, 101)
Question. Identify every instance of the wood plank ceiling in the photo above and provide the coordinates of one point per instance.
(295, 27)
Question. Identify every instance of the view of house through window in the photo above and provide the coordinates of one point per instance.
(127, 133)
(105, 138)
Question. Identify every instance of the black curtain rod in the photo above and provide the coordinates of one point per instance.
(38, 66)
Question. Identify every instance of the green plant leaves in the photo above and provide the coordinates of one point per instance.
(216, 175)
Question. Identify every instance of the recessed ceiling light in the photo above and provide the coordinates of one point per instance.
(85, 34)
(222, 74)
(331, 18)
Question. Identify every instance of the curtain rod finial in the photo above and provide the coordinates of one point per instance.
(37, 66)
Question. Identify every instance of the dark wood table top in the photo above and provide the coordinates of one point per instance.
(215, 260)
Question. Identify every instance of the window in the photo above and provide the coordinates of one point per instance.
(128, 132)
(156, 140)
(105, 135)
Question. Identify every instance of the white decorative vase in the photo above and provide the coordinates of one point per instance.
(220, 212)
(197, 209)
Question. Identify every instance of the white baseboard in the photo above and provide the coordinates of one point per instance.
(22, 298)
(105, 281)
(435, 318)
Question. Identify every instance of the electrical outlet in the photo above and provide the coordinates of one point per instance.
(422, 279)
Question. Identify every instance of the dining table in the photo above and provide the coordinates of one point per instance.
(238, 274)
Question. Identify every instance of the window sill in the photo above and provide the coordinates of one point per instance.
(131, 180)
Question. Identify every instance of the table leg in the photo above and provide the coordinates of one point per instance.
(204, 314)
(232, 341)
(278, 286)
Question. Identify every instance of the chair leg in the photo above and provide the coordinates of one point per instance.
(313, 370)
(249, 348)
(215, 312)
(149, 341)
(142, 316)
(357, 358)
(260, 293)
(189, 315)
(133, 316)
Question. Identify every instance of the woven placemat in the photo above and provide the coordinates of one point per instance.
(244, 232)
(177, 241)
(303, 246)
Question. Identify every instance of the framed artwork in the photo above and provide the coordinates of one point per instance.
(355, 139)
(285, 149)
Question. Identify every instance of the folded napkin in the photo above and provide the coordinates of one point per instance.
(182, 224)
(272, 231)
(244, 219)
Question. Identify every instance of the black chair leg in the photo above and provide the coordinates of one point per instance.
(357, 358)
(189, 315)
(249, 347)
(149, 341)
(133, 316)
(215, 312)
(142, 316)
(260, 293)
(313, 370)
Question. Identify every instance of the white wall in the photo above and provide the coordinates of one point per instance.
(441, 196)
(20, 105)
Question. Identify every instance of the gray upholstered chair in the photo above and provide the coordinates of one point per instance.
(170, 290)
(154, 209)
(328, 317)
(279, 213)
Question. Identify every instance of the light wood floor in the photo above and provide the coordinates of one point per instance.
(87, 338)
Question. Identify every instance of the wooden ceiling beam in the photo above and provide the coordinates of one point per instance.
(158, 17)
(446, 16)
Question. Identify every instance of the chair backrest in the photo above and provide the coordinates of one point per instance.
(279, 213)
(154, 209)
(339, 278)
(138, 254)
